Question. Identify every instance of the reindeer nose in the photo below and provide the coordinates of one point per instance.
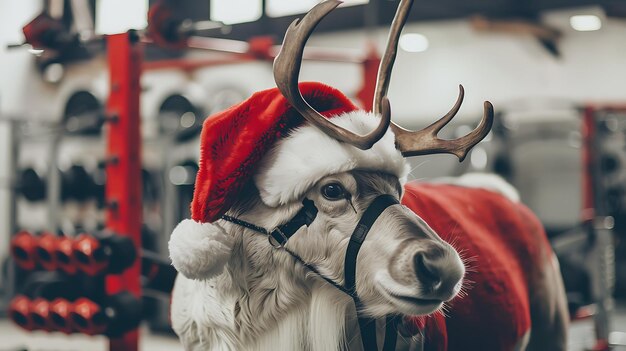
(439, 271)
(428, 271)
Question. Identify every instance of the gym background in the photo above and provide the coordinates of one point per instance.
(554, 70)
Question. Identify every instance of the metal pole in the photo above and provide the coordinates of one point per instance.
(53, 192)
(600, 254)
(11, 224)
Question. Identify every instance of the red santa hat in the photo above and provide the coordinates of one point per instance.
(265, 140)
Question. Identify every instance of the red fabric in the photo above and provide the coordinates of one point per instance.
(233, 142)
(505, 245)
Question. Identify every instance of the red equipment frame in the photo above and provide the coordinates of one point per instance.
(123, 171)
(263, 49)
(595, 211)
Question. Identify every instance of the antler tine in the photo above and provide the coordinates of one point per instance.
(425, 141)
(287, 71)
(436, 126)
(389, 57)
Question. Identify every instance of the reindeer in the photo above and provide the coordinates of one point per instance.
(324, 246)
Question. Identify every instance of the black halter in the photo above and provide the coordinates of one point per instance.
(279, 236)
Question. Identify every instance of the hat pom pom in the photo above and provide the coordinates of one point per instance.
(199, 250)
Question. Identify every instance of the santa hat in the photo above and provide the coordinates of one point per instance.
(265, 140)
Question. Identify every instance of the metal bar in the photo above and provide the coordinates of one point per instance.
(194, 64)
(588, 133)
(12, 154)
(217, 44)
(123, 186)
(229, 46)
(600, 254)
(53, 192)
(83, 20)
(55, 8)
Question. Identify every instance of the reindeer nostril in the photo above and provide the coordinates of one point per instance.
(426, 272)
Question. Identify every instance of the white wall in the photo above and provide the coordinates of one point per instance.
(14, 74)
(501, 68)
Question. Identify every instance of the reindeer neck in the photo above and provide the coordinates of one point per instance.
(281, 304)
(289, 317)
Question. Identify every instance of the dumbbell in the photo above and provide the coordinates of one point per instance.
(77, 184)
(23, 248)
(31, 309)
(65, 255)
(96, 254)
(30, 314)
(59, 316)
(48, 250)
(45, 251)
(40, 314)
(31, 185)
(114, 316)
(19, 312)
(88, 317)
(157, 273)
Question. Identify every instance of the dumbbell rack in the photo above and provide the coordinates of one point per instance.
(598, 215)
(122, 192)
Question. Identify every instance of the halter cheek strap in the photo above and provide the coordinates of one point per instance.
(359, 234)
(279, 236)
(367, 325)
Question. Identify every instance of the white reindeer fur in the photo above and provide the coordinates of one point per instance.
(204, 321)
(305, 315)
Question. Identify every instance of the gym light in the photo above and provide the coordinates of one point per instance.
(478, 158)
(180, 175)
(413, 42)
(36, 52)
(116, 16)
(585, 23)
(188, 119)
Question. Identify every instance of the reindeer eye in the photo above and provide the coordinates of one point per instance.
(333, 191)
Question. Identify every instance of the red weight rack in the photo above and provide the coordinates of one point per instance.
(123, 172)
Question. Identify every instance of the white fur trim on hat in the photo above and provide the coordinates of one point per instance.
(199, 250)
(298, 161)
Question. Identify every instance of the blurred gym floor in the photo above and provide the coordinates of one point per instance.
(14, 339)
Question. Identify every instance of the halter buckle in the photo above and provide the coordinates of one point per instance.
(277, 238)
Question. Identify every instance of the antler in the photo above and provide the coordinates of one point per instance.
(287, 69)
(424, 141)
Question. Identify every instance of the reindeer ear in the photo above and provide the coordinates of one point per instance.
(199, 250)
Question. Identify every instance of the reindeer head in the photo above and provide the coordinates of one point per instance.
(342, 165)
(403, 266)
